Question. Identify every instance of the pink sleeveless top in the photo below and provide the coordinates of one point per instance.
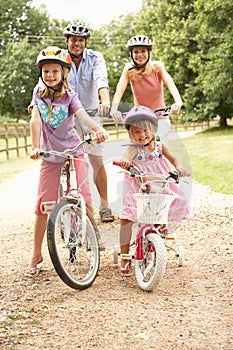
(148, 91)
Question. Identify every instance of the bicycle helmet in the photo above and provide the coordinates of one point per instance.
(139, 113)
(77, 29)
(139, 40)
(54, 54)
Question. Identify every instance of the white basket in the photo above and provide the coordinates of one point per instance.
(153, 208)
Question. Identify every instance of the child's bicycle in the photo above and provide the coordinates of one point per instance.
(152, 213)
(71, 231)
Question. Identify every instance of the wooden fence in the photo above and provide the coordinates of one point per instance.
(16, 136)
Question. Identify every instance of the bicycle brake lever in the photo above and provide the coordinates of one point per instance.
(174, 175)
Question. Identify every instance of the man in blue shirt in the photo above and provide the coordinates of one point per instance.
(88, 77)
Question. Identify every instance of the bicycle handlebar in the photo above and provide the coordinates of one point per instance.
(166, 110)
(67, 152)
(133, 171)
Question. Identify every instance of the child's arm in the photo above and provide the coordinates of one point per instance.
(129, 155)
(176, 162)
(101, 133)
(35, 127)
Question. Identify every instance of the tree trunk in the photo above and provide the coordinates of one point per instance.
(223, 122)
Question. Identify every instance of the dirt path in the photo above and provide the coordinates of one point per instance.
(191, 308)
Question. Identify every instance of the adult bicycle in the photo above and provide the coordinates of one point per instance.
(72, 234)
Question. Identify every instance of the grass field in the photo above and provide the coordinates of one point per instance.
(209, 152)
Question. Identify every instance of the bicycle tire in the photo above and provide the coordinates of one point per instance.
(150, 271)
(76, 264)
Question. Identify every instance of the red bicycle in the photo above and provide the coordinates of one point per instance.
(152, 213)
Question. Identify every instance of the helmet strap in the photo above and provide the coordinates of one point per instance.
(73, 56)
(147, 144)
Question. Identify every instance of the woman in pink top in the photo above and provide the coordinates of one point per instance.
(146, 78)
(54, 106)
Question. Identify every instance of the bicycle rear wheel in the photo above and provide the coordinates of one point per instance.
(75, 262)
(149, 272)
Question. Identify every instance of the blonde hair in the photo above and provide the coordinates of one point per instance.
(150, 67)
(144, 124)
(63, 86)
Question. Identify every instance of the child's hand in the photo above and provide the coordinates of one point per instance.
(101, 134)
(35, 153)
(125, 164)
(183, 172)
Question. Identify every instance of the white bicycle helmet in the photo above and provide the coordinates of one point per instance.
(138, 113)
(139, 40)
(77, 29)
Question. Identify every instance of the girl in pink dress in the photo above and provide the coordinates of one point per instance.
(150, 156)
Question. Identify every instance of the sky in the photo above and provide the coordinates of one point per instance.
(94, 12)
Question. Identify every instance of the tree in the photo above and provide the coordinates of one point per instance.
(214, 57)
(166, 23)
(18, 77)
(111, 40)
(19, 19)
(22, 31)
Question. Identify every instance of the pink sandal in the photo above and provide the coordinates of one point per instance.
(33, 271)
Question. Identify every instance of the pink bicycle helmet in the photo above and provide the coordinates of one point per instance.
(54, 54)
(140, 113)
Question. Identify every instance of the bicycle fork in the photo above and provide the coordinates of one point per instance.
(143, 231)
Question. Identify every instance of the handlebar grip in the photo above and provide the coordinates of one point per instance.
(131, 169)
(44, 154)
(116, 162)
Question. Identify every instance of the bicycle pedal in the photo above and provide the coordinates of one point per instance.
(102, 249)
(170, 237)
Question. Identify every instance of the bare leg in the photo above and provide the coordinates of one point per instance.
(40, 224)
(100, 178)
(125, 237)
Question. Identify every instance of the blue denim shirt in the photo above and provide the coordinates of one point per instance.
(90, 76)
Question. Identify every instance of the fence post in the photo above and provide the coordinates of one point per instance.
(17, 139)
(7, 142)
(25, 138)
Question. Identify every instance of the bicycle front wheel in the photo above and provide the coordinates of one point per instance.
(75, 262)
(150, 271)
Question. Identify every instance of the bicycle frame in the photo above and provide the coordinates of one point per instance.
(73, 192)
(146, 229)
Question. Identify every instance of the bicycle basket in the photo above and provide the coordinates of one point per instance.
(153, 208)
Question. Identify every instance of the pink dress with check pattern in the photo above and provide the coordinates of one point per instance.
(153, 162)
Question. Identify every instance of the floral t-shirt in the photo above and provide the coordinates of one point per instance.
(57, 132)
